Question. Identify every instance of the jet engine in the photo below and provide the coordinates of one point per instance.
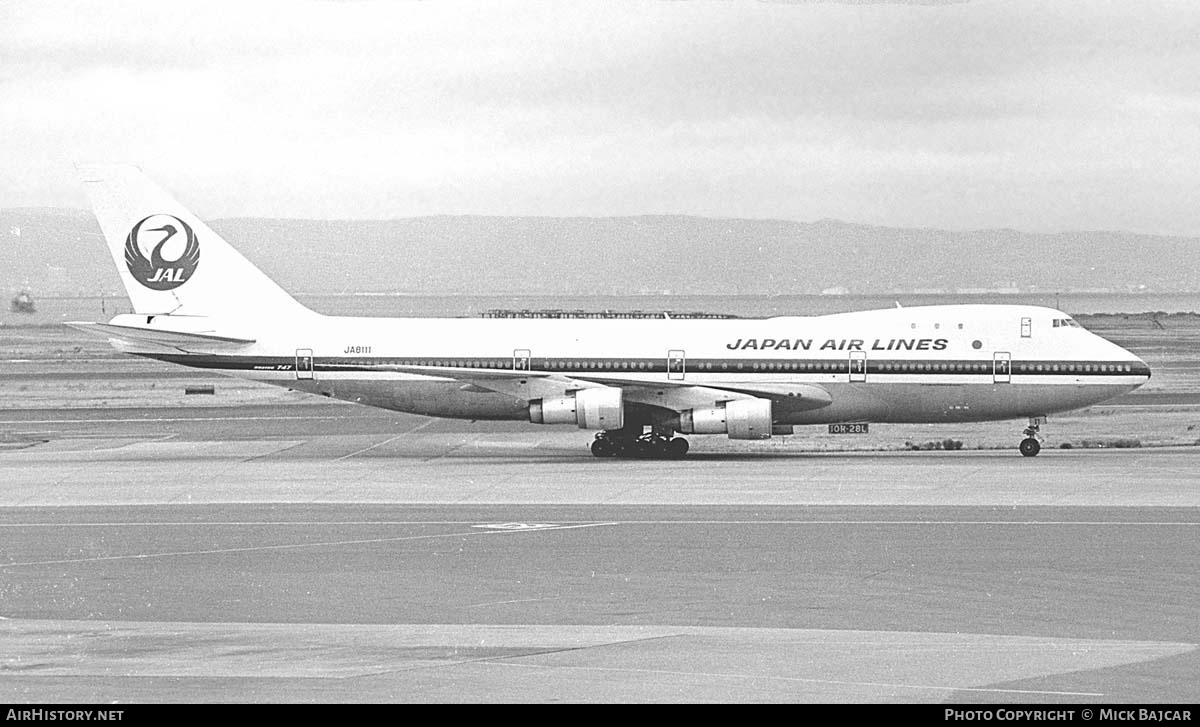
(600, 408)
(740, 419)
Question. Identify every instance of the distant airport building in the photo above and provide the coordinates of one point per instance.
(559, 313)
(1007, 290)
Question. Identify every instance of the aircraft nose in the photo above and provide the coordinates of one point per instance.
(1139, 369)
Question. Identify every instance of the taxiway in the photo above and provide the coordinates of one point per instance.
(333, 553)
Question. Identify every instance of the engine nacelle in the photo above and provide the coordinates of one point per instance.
(741, 419)
(601, 408)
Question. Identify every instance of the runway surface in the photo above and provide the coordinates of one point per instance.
(332, 553)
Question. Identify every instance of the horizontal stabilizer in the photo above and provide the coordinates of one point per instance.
(159, 336)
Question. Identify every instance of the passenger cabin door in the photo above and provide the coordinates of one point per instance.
(1002, 368)
(858, 366)
(676, 365)
(521, 359)
(304, 364)
(1026, 327)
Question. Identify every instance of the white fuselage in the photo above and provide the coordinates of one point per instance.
(922, 364)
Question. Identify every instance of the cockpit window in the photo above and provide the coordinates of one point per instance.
(1065, 323)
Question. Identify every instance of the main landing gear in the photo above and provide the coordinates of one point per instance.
(645, 446)
(1032, 443)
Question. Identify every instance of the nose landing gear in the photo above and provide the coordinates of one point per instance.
(1032, 444)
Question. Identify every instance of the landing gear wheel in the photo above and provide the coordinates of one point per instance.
(646, 446)
(1032, 444)
(604, 447)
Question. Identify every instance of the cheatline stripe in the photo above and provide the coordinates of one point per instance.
(595, 365)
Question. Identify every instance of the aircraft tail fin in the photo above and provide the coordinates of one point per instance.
(169, 260)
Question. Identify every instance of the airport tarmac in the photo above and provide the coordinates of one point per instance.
(333, 553)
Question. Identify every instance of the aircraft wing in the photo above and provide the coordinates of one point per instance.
(673, 395)
(521, 384)
(794, 397)
(679, 396)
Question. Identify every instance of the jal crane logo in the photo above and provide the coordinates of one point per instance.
(162, 235)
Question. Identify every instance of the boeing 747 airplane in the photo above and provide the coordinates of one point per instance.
(638, 383)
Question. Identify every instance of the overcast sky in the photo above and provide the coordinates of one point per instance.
(1038, 115)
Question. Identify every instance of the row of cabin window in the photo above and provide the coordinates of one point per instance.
(834, 366)
(1073, 368)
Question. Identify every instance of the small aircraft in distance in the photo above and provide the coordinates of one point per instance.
(639, 383)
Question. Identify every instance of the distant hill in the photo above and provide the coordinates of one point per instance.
(59, 252)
